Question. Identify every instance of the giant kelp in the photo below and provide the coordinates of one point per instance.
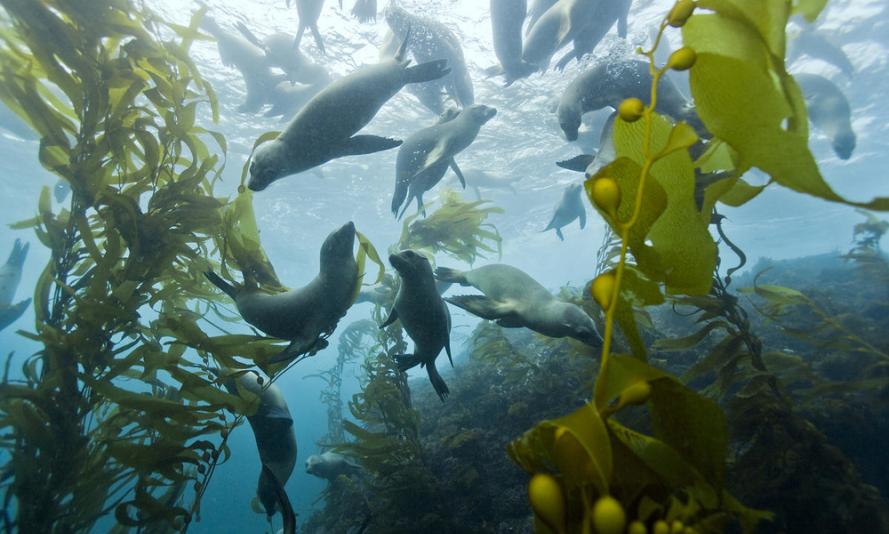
(114, 414)
(745, 98)
(457, 228)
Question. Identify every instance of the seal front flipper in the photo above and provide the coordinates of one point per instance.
(426, 72)
(10, 314)
(358, 145)
(582, 217)
(577, 163)
(393, 316)
(318, 40)
(453, 276)
(458, 172)
(217, 281)
(559, 233)
(481, 306)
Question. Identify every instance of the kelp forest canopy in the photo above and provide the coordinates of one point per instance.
(125, 413)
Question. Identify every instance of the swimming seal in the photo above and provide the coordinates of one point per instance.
(423, 314)
(324, 128)
(249, 59)
(10, 276)
(306, 315)
(538, 8)
(818, 45)
(570, 207)
(426, 155)
(557, 26)
(279, 52)
(507, 17)
(478, 180)
(608, 84)
(430, 41)
(513, 299)
(288, 98)
(272, 427)
(330, 465)
(308, 11)
(829, 111)
(606, 14)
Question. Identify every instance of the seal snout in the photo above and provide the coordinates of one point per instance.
(397, 261)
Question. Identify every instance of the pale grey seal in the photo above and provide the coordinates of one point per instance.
(324, 128)
(607, 14)
(250, 60)
(423, 314)
(426, 155)
(507, 17)
(10, 277)
(513, 299)
(557, 26)
(829, 111)
(279, 52)
(307, 315)
(432, 40)
(308, 11)
(570, 208)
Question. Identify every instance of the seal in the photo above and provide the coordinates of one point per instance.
(288, 98)
(308, 11)
(423, 314)
(272, 427)
(538, 8)
(279, 52)
(818, 45)
(513, 300)
(606, 15)
(330, 465)
(250, 60)
(426, 155)
(829, 111)
(608, 84)
(560, 24)
(569, 209)
(324, 128)
(507, 17)
(432, 41)
(10, 277)
(478, 179)
(306, 315)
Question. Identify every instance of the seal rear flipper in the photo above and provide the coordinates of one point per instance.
(18, 254)
(10, 314)
(577, 163)
(458, 172)
(287, 514)
(358, 145)
(393, 316)
(365, 10)
(318, 40)
(481, 306)
(426, 72)
(217, 281)
(407, 361)
(437, 381)
(453, 276)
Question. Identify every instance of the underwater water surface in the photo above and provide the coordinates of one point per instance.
(521, 143)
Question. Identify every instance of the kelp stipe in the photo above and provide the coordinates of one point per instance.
(113, 414)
